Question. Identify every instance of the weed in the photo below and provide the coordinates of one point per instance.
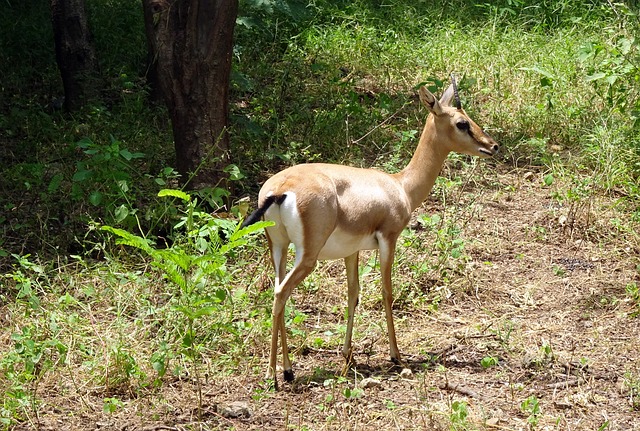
(35, 352)
(488, 362)
(351, 394)
(531, 407)
(503, 334)
(195, 265)
(111, 405)
(606, 424)
(160, 360)
(120, 369)
(633, 292)
(632, 384)
(104, 175)
(26, 280)
(458, 416)
(559, 271)
(577, 198)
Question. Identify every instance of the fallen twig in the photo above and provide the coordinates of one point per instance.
(462, 390)
(569, 382)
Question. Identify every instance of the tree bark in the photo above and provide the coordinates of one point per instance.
(192, 44)
(75, 53)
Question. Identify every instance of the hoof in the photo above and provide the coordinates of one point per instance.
(288, 375)
(397, 362)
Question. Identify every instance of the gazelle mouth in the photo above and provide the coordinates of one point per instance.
(486, 152)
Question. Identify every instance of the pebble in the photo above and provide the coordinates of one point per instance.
(236, 409)
(370, 382)
(406, 373)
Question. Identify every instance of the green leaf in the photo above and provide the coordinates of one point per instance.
(126, 154)
(488, 362)
(625, 45)
(54, 185)
(95, 198)
(548, 180)
(540, 71)
(611, 79)
(201, 244)
(84, 143)
(82, 175)
(124, 186)
(234, 172)
(247, 230)
(545, 81)
(221, 294)
(595, 76)
(174, 193)
(121, 213)
(204, 311)
(127, 238)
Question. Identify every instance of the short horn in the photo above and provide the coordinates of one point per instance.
(455, 92)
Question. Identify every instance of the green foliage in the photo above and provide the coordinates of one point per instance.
(111, 405)
(34, 353)
(351, 394)
(37, 347)
(632, 385)
(488, 362)
(633, 292)
(103, 177)
(614, 70)
(458, 416)
(531, 407)
(195, 265)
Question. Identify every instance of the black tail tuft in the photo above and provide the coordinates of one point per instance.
(258, 213)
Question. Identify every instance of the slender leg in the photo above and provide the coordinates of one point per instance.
(279, 260)
(387, 249)
(353, 285)
(301, 269)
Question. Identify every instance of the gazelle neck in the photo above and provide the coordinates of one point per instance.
(419, 176)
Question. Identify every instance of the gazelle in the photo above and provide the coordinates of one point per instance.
(333, 211)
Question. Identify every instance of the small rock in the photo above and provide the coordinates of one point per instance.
(556, 148)
(370, 382)
(528, 176)
(406, 373)
(236, 409)
(562, 220)
(493, 422)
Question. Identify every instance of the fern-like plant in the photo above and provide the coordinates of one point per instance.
(196, 266)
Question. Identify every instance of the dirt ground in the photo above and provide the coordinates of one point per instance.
(539, 311)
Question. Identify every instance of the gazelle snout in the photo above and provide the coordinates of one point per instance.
(488, 147)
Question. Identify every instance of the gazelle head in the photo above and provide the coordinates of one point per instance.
(453, 127)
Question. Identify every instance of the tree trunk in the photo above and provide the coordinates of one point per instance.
(75, 53)
(192, 43)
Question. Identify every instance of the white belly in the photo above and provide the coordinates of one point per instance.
(342, 244)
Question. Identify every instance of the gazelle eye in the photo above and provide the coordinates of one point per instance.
(463, 125)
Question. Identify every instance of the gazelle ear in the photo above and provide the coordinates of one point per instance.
(429, 100)
(447, 97)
